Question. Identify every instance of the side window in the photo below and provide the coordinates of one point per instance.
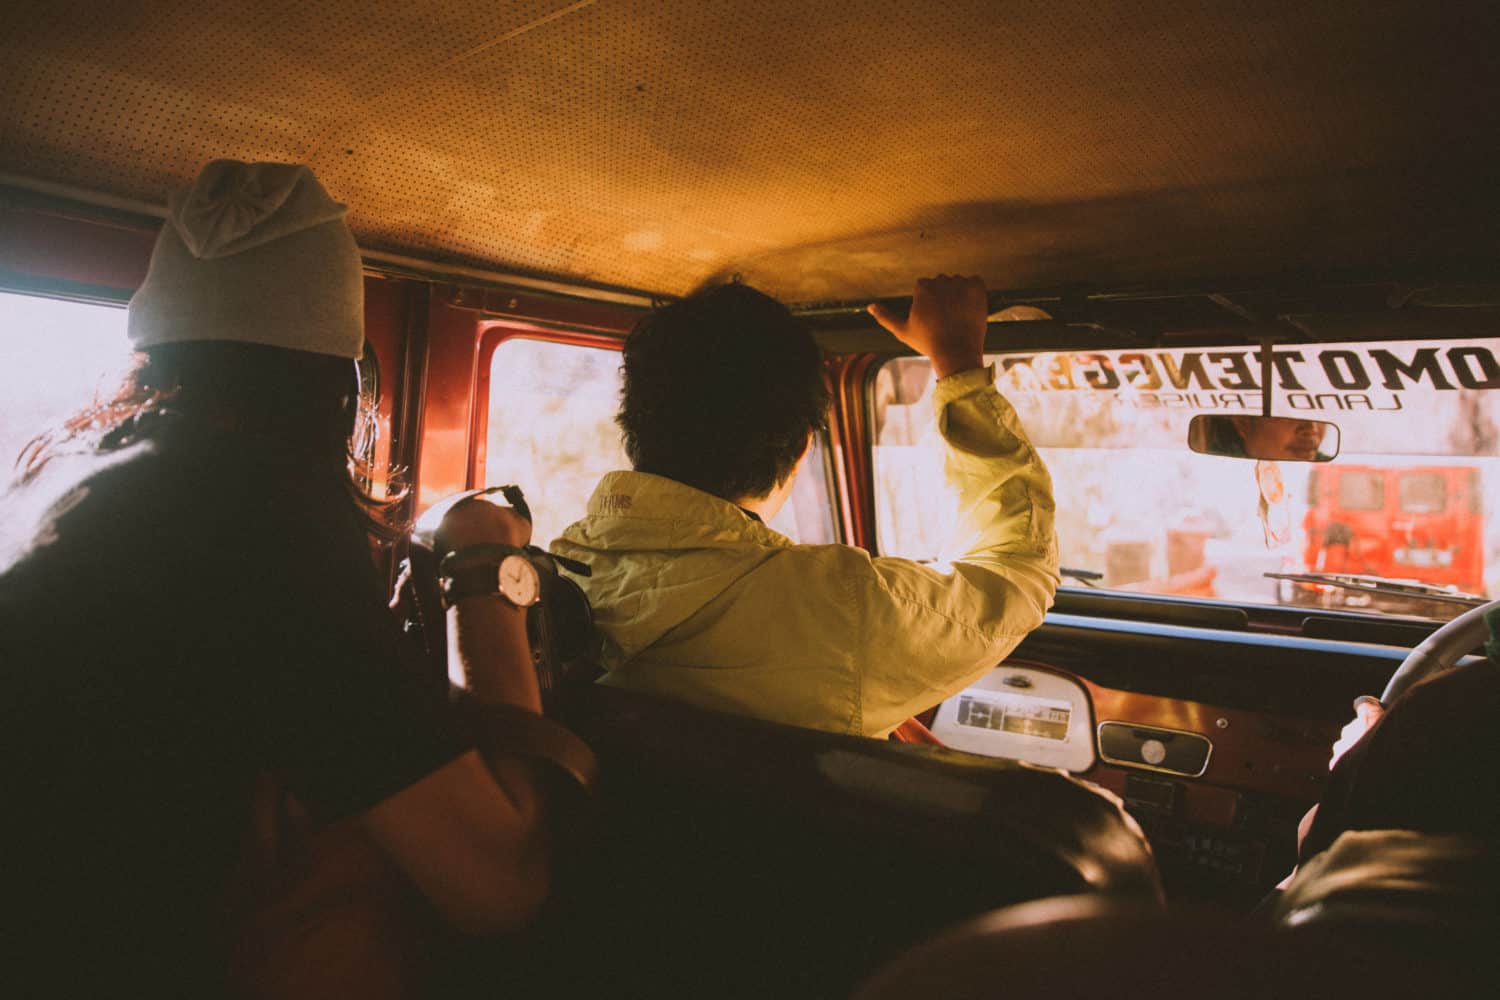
(808, 514)
(552, 427)
(1423, 493)
(56, 358)
(552, 430)
(1362, 491)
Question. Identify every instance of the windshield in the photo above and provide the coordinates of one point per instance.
(1406, 498)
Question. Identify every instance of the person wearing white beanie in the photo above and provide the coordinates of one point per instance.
(187, 602)
(256, 253)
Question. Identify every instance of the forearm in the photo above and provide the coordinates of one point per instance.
(481, 861)
(932, 630)
(489, 655)
(1005, 503)
(489, 658)
(477, 835)
(1004, 492)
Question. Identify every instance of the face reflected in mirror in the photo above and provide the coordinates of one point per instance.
(1283, 439)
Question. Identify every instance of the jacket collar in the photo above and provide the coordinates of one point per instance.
(698, 518)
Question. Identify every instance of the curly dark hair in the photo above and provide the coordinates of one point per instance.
(311, 401)
(722, 390)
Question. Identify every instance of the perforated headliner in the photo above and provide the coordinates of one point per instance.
(826, 150)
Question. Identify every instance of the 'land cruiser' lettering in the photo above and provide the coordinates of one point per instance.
(1215, 379)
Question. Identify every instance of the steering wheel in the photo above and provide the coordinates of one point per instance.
(1440, 650)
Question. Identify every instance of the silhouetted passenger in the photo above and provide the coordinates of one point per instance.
(187, 600)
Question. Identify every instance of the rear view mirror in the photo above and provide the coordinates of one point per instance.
(1284, 439)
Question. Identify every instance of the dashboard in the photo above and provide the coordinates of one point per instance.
(1044, 716)
(1216, 741)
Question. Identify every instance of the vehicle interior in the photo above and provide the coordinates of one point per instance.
(1174, 206)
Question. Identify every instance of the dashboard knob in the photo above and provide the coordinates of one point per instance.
(1153, 751)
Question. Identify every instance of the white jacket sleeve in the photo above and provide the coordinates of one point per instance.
(925, 633)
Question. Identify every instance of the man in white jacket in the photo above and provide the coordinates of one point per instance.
(700, 601)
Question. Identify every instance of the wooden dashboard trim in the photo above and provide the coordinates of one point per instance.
(1105, 758)
(1252, 751)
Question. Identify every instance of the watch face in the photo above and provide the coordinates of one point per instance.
(518, 582)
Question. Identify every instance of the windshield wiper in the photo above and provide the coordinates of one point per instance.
(1381, 585)
(1087, 577)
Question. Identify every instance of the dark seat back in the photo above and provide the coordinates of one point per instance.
(1380, 914)
(1086, 947)
(736, 857)
(1420, 901)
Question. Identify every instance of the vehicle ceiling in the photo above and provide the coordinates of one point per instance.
(825, 151)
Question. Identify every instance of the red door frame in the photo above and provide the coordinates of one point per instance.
(434, 343)
(849, 428)
(851, 490)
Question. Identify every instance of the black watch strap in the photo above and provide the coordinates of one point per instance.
(475, 582)
(473, 556)
(474, 571)
(516, 499)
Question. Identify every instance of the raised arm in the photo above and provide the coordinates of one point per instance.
(473, 835)
(929, 633)
(946, 324)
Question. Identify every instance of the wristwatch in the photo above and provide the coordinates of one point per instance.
(503, 570)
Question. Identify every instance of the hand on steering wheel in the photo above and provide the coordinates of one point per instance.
(1438, 652)
(1367, 712)
(1442, 650)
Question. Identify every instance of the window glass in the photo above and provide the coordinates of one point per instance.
(369, 448)
(1423, 493)
(1137, 507)
(56, 358)
(552, 427)
(808, 514)
(1361, 491)
(552, 431)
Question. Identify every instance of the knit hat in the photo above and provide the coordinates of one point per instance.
(257, 253)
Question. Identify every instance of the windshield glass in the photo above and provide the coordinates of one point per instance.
(1405, 500)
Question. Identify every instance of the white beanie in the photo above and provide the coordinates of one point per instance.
(257, 253)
